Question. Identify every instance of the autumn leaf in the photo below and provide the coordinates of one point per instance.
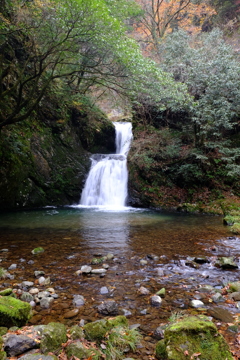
(186, 353)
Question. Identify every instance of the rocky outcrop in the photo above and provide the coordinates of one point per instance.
(45, 160)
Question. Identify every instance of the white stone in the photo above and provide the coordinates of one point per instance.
(196, 303)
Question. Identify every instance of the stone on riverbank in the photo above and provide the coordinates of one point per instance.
(18, 344)
(38, 357)
(77, 350)
(53, 336)
(96, 330)
(190, 336)
(109, 307)
(13, 312)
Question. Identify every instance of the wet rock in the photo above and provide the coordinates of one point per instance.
(217, 297)
(192, 264)
(192, 337)
(27, 284)
(227, 263)
(221, 314)
(70, 314)
(143, 262)
(156, 301)
(126, 312)
(12, 267)
(26, 297)
(34, 291)
(143, 291)
(196, 303)
(18, 344)
(201, 259)
(104, 290)
(46, 302)
(38, 273)
(110, 256)
(160, 272)
(44, 281)
(85, 269)
(158, 333)
(98, 271)
(53, 336)
(109, 307)
(78, 300)
(37, 250)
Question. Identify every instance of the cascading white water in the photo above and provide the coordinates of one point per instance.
(107, 180)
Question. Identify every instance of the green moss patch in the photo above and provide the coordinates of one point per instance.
(13, 312)
(192, 335)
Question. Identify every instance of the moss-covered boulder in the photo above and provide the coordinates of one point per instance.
(76, 332)
(96, 330)
(14, 312)
(78, 350)
(53, 336)
(192, 335)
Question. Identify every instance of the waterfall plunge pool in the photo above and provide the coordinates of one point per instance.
(73, 236)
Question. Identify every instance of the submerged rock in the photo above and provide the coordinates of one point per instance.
(156, 300)
(191, 337)
(109, 307)
(227, 263)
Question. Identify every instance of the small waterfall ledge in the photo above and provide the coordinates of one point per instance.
(106, 184)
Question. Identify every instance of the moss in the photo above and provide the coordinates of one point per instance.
(53, 336)
(6, 292)
(96, 331)
(37, 250)
(13, 312)
(194, 335)
(76, 332)
(77, 350)
(3, 331)
(235, 229)
(161, 353)
(3, 355)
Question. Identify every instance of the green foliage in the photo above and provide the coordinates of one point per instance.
(3, 273)
(211, 72)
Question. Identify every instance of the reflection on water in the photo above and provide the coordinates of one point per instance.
(138, 230)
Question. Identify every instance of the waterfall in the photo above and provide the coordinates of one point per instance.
(107, 181)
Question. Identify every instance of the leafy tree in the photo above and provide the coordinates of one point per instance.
(73, 46)
(210, 70)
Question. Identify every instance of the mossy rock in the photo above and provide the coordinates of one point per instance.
(235, 229)
(96, 330)
(193, 335)
(76, 332)
(37, 250)
(53, 336)
(6, 292)
(14, 312)
(77, 350)
(3, 355)
(234, 286)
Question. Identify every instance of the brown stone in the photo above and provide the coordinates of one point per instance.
(221, 314)
(70, 314)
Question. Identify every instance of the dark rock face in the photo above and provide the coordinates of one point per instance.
(45, 161)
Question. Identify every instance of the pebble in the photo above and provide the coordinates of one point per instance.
(27, 284)
(98, 271)
(143, 262)
(33, 291)
(85, 269)
(12, 267)
(70, 314)
(78, 300)
(143, 291)
(104, 290)
(196, 303)
(156, 301)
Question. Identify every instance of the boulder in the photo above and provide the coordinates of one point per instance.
(192, 337)
(13, 312)
(18, 344)
(53, 336)
(79, 351)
